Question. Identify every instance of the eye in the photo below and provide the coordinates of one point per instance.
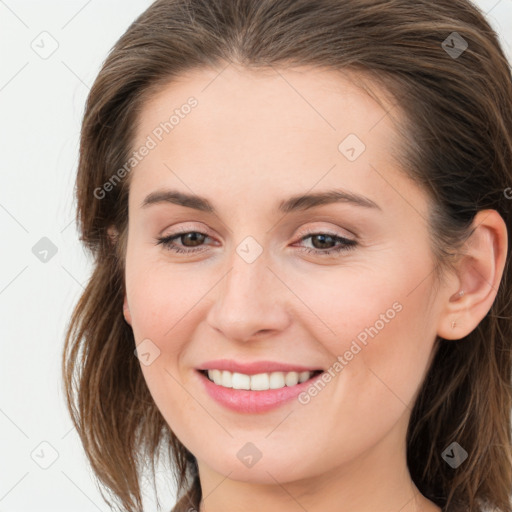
(191, 242)
(192, 237)
(320, 240)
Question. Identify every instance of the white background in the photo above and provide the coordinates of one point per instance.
(41, 104)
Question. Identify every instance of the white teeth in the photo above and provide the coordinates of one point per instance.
(216, 376)
(226, 380)
(277, 380)
(291, 379)
(241, 381)
(258, 382)
(303, 376)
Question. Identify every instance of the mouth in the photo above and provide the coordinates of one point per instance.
(256, 393)
(260, 381)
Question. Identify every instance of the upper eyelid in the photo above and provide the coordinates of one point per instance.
(301, 234)
(309, 230)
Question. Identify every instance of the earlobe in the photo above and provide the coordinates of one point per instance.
(126, 311)
(479, 272)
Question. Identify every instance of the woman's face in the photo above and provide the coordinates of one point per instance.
(344, 286)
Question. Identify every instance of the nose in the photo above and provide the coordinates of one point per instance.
(251, 301)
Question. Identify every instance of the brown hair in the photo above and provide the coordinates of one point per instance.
(456, 141)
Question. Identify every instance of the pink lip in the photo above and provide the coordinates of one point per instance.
(244, 401)
(254, 367)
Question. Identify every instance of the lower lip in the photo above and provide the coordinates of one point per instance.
(241, 400)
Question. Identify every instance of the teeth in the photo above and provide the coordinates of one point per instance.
(258, 382)
(277, 380)
(291, 379)
(241, 381)
(303, 376)
(226, 380)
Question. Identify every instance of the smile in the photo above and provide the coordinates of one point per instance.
(255, 393)
(260, 381)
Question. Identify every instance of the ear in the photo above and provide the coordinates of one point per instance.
(126, 311)
(479, 271)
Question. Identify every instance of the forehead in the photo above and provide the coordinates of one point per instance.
(283, 130)
(269, 100)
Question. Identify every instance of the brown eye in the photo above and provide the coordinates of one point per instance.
(193, 238)
(325, 243)
(189, 240)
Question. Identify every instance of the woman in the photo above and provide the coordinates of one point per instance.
(299, 213)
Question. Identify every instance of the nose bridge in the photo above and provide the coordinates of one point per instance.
(249, 298)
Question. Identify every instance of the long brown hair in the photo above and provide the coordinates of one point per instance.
(456, 141)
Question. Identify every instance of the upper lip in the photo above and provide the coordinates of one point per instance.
(255, 367)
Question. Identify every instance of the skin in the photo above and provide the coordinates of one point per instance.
(254, 139)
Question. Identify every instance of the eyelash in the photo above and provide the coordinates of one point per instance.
(348, 244)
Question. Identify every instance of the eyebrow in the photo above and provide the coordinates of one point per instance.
(298, 202)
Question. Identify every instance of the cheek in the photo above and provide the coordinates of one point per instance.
(378, 321)
(165, 305)
(163, 318)
(161, 299)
